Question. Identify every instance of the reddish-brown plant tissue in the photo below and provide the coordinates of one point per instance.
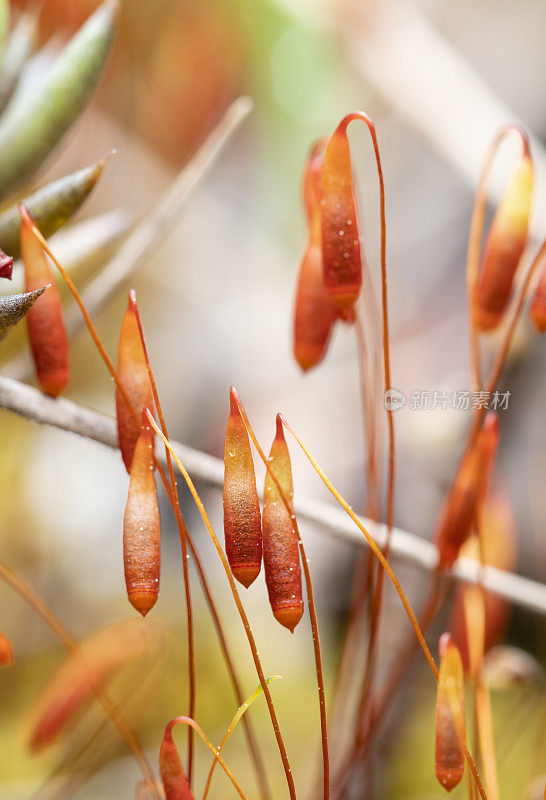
(468, 492)
(450, 716)
(175, 782)
(6, 265)
(280, 544)
(141, 528)
(83, 672)
(45, 323)
(340, 243)
(314, 311)
(498, 535)
(242, 523)
(133, 375)
(6, 651)
(537, 309)
(504, 247)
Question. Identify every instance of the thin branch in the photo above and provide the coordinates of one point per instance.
(66, 415)
(138, 248)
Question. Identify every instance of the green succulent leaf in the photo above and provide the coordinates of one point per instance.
(50, 207)
(15, 307)
(18, 49)
(29, 134)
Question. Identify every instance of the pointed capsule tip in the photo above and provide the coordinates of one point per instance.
(246, 574)
(289, 616)
(143, 601)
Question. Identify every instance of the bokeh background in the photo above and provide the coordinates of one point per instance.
(216, 301)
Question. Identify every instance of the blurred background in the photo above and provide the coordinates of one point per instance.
(216, 298)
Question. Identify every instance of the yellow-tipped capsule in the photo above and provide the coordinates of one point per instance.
(450, 716)
(504, 247)
(281, 552)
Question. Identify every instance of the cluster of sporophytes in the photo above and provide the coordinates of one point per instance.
(332, 286)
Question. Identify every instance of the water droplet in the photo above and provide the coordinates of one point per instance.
(341, 232)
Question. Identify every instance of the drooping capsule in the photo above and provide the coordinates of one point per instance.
(45, 323)
(498, 549)
(468, 492)
(537, 309)
(504, 246)
(6, 651)
(242, 522)
(70, 690)
(314, 311)
(340, 242)
(450, 716)
(133, 374)
(280, 544)
(175, 782)
(141, 528)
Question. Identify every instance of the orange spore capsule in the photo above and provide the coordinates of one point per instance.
(450, 716)
(537, 310)
(499, 550)
(504, 247)
(133, 375)
(45, 323)
(314, 311)
(468, 492)
(175, 782)
(281, 552)
(141, 529)
(340, 243)
(242, 523)
(6, 651)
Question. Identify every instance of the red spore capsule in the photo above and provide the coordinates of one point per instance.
(141, 529)
(340, 242)
(504, 247)
(467, 493)
(281, 552)
(242, 523)
(45, 323)
(450, 716)
(133, 375)
(537, 309)
(314, 311)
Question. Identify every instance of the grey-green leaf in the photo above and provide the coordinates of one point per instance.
(50, 207)
(14, 308)
(29, 135)
(18, 49)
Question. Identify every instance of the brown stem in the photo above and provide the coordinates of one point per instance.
(32, 599)
(396, 583)
(240, 609)
(182, 532)
(249, 730)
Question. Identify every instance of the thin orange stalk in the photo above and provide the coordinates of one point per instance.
(474, 245)
(193, 724)
(240, 609)
(388, 569)
(109, 365)
(249, 731)
(311, 601)
(175, 502)
(378, 595)
(31, 598)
